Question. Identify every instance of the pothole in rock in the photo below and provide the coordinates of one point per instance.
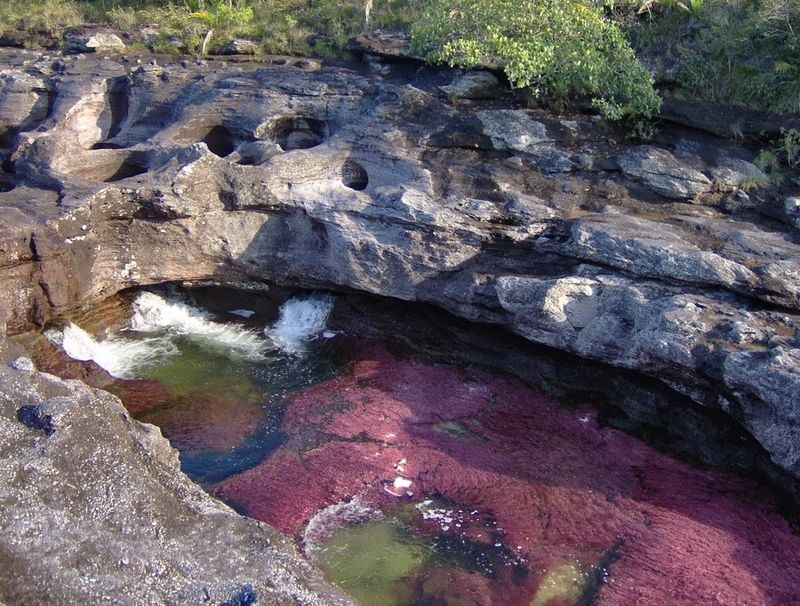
(354, 176)
(297, 132)
(220, 141)
(419, 479)
(109, 165)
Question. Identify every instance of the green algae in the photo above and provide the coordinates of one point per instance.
(197, 369)
(373, 562)
(563, 584)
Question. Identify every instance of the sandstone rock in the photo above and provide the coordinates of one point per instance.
(24, 100)
(775, 375)
(513, 130)
(725, 121)
(320, 177)
(653, 249)
(383, 43)
(791, 206)
(239, 47)
(663, 173)
(91, 516)
(735, 172)
(92, 42)
(474, 85)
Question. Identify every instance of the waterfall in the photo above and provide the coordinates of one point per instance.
(301, 319)
(119, 357)
(160, 324)
(153, 314)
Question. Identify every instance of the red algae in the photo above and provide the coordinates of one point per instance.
(140, 395)
(196, 422)
(545, 491)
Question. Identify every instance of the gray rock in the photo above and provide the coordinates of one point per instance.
(653, 249)
(791, 207)
(474, 85)
(773, 375)
(24, 100)
(735, 172)
(93, 42)
(240, 47)
(513, 130)
(94, 516)
(663, 173)
(23, 363)
(327, 178)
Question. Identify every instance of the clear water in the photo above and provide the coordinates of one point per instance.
(375, 562)
(217, 389)
(212, 377)
(207, 369)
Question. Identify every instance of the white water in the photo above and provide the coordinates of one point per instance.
(153, 313)
(119, 357)
(301, 319)
(167, 320)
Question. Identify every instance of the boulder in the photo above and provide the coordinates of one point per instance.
(735, 172)
(474, 85)
(239, 47)
(663, 172)
(92, 42)
(513, 130)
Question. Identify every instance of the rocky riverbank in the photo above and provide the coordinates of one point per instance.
(674, 259)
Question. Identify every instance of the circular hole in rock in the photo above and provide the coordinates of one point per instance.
(220, 141)
(354, 176)
(128, 168)
(298, 132)
(106, 145)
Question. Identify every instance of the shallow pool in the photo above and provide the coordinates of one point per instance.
(414, 482)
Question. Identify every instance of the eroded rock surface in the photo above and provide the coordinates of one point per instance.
(94, 509)
(118, 173)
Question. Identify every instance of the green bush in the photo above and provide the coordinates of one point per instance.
(783, 153)
(745, 52)
(563, 51)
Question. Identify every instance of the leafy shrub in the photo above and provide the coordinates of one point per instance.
(784, 152)
(745, 52)
(560, 49)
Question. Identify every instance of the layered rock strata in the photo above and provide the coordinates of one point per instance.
(658, 258)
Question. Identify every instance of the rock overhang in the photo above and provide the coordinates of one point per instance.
(340, 179)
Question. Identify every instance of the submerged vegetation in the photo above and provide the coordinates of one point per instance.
(564, 52)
